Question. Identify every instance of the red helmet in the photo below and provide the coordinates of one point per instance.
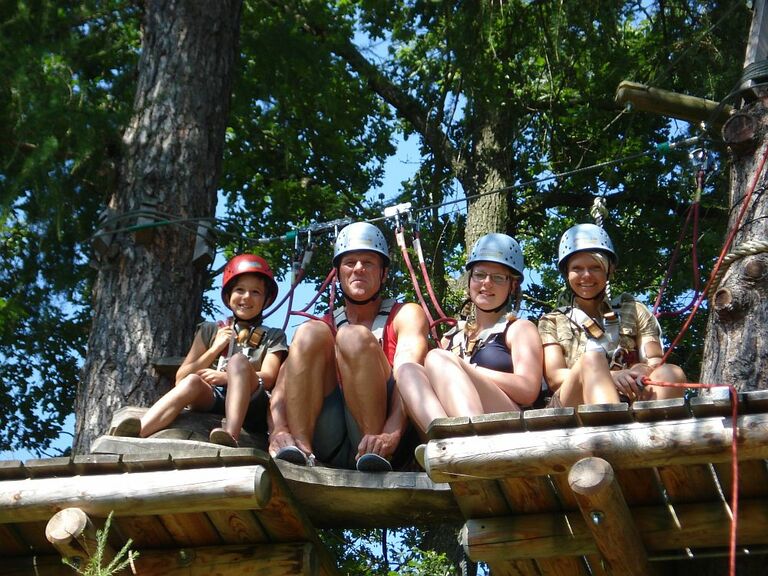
(248, 264)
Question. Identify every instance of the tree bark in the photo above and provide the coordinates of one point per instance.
(148, 293)
(736, 349)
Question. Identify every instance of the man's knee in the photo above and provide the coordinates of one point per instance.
(309, 339)
(354, 341)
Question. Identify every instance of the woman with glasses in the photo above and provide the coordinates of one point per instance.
(491, 362)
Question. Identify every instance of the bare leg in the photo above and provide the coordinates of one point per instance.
(241, 384)
(306, 378)
(597, 385)
(589, 382)
(667, 373)
(462, 390)
(419, 398)
(364, 372)
(191, 391)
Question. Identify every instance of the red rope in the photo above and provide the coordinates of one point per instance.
(723, 253)
(732, 390)
(400, 235)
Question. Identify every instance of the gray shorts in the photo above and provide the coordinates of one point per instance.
(337, 434)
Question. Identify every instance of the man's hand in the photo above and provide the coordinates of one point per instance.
(383, 444)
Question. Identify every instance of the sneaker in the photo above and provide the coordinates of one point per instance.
(292, 454)
(373, 463)
(128, 427)
(222, 438)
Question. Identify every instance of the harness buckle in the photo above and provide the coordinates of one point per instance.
(618, 359)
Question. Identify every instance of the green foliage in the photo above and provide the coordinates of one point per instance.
(385, 553)
(321, 89)
(65, 86)
(95, 564)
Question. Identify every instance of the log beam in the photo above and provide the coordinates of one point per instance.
(671, 104)
(695, 526)
(136, 494)
(74, 535)
(299, 559)
(608, 517)
(625, 446)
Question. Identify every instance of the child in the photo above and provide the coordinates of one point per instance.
(231, 365)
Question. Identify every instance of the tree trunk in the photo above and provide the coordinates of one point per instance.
(736, 347)
(488, 212)
(148, 293)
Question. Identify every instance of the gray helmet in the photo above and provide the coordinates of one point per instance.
(583, 237)
(360, 236)
(498, 248)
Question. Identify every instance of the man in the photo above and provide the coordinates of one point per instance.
(336, 395)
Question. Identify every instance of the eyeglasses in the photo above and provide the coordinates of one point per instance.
(498, 279)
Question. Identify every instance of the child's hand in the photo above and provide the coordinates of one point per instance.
(222, 338)
(213, 377)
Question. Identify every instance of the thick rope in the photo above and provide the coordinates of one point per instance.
(748, 248)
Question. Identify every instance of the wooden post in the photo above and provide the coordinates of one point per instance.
(135, 494)
(73, 534)
(606, 513)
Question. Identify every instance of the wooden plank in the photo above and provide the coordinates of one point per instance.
(450, 427)
(244, 487)
(637, 445)
(10, 542)
(549, 418)
(297, 559)
(12, 470)
(550, 535)
(692, 483)
(237, 526)
(497, 423)
(145, 531)
(659, 410)
(753, 479)
(369, 500)
(603, 414)
(190, 529)
(33, 535)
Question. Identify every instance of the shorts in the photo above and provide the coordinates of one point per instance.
(255, 418)
(554, 401)
(337, 434)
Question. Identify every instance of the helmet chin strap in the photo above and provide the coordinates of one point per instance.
(255, 321)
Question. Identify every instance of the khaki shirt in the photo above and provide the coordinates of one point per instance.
(636, 323)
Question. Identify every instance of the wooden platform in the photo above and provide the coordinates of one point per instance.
(605, 489)
(599, 490)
